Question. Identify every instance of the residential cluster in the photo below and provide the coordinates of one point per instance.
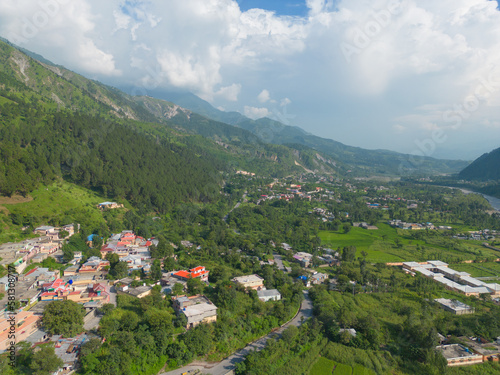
(35, 250)
(256, 282)
(415, 226)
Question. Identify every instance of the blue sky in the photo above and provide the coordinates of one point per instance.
(421, 77)
(281, 7)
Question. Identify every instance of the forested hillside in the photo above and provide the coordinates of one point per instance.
(486, 167)
(361, 161)
(39, 144)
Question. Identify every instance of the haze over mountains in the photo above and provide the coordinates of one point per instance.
(486, 167)
(248, 138)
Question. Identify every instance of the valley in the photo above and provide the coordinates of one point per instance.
(138, 236)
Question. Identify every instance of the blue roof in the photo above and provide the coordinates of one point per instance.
(89, 238)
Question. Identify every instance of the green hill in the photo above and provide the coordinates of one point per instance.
(486, 167)
(55, 123)
(360, 160)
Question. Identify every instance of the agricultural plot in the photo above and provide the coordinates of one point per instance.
(490, 269)
(341, 369)
(323, 366)
(389, 244)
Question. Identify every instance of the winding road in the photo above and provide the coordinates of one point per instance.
(244, 199)
(229, 364)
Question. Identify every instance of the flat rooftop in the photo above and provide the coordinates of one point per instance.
(455, 351)
(452, 304)
(248, 279)
(198, 309)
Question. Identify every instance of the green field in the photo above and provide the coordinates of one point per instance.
(381, 245)
(360, 370)
(489, 269)
(4, 100)
(323, 366)
(57, 204)
(341, 369)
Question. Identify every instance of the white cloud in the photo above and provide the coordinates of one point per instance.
(229, 93)
(264, 96)
(285, 101)
(404, 65)
(255, 112)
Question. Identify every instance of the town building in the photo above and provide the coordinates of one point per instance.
(459, 355)
(454, 306)
(454, 280)
(269, 295)
(26, 324)
(250, 281)
(303, 258)
(197, 309)
(93, 264)
(198, 272)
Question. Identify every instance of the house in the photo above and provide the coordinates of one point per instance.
(269, 295)
(44, 230)
(26, 324)
(454, 306)
(93, 264)
(305, 280)
(56, 290)
(303, 258)
(71, 270)
(198, 272)
(251, 281)
(109, 205)
(187, 244)
(459, 355)
(318, 278)
(197, 309)
(140, 291)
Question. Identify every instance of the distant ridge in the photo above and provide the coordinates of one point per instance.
(362, 160)
(484, 168)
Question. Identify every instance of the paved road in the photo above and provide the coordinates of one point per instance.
(244, 198)
(279, 262)
(92, 323)
(112, 295)
(228, 364)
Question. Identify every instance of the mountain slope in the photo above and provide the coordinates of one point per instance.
(144, 150)
(363, 160)
(43, 137)
(486, 167)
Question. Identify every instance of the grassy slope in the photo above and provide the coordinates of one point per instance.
(61, 201)
(382, 250)
(323, 366)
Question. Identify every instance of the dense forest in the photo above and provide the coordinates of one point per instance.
(486, 167)
(38, 145)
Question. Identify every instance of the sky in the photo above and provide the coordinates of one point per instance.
(413, 76)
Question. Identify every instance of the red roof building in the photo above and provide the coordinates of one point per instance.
(199, 271)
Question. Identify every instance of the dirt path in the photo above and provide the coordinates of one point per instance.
(15, 199)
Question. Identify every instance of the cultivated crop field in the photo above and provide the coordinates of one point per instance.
(389, 244)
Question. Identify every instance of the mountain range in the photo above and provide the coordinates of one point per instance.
(486, 167)
(65, 122)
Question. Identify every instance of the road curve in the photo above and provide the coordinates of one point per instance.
(228, 364)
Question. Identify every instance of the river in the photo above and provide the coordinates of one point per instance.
(495, 202)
